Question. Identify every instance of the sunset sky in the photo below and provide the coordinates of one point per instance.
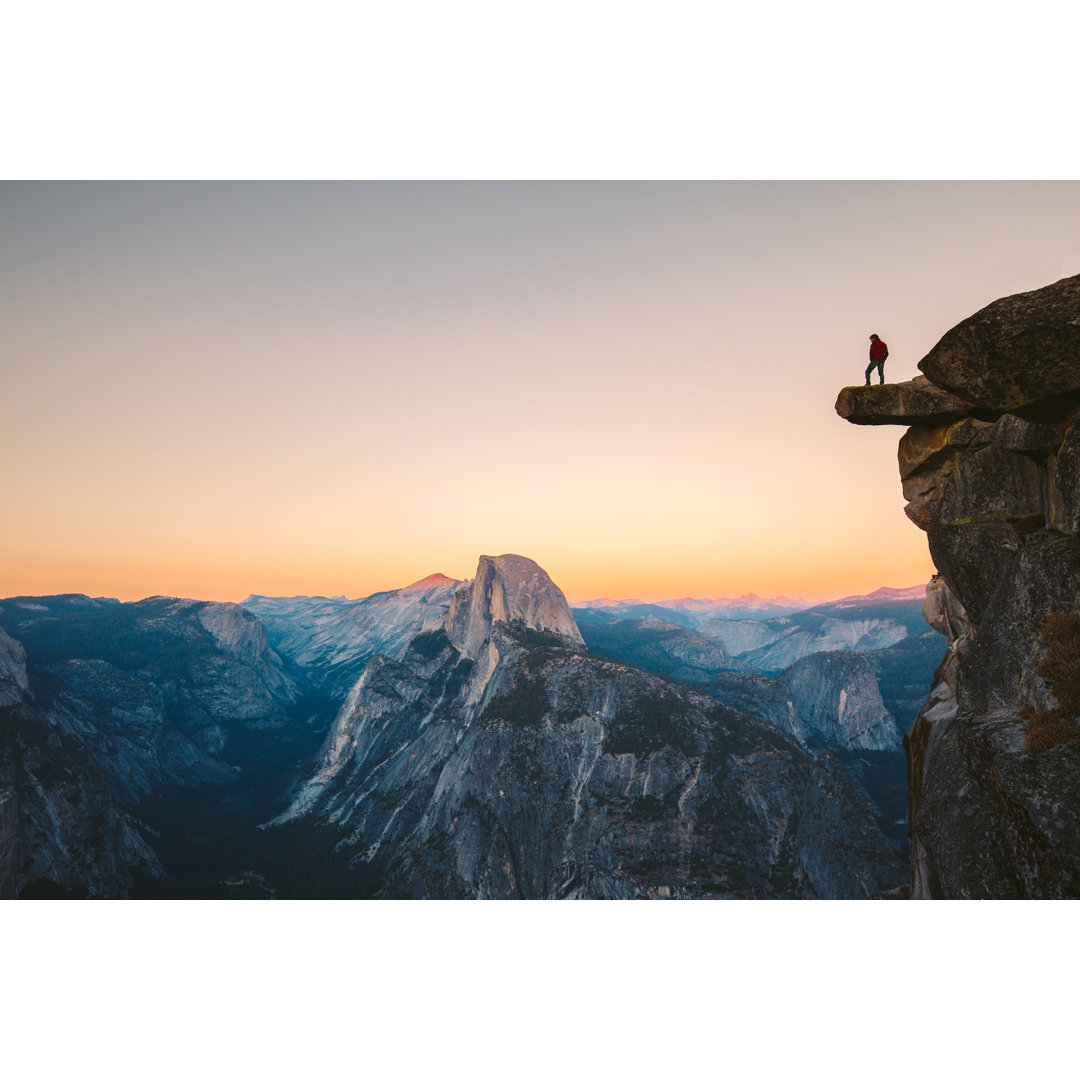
(218, 389)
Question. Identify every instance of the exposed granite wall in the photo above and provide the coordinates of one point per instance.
(996, 487)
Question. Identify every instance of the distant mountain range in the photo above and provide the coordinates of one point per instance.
(747, 606)
(452, 738)
(333, 638)
(107, 708)
(729, 639)
(496, 757)
(742, 606)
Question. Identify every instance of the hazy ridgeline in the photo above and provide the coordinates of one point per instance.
(604, 752)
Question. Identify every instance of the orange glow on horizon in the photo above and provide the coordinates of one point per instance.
(620, 580)
(219, 389)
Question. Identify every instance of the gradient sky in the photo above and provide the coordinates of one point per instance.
(218, 389)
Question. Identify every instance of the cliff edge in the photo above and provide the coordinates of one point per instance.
(990, 466)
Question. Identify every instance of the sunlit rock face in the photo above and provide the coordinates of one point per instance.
(827, 699)
(837, 699)
(332, 638)
(775, 645)
(508, 589)
(998, 493)
(496, 757)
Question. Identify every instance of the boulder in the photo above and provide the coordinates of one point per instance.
(1014, 353)
(943, 611)
(917, 401)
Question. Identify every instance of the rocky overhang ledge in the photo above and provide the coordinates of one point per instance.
(1019, 355)
(917, 401)
(990, 469)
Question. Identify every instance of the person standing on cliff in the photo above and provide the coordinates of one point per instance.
(878, 353)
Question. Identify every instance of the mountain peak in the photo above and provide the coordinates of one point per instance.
(508, 589)
(432, 581)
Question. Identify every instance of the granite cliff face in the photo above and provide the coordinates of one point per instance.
(332, 639)
(658, 646)
(156, 687)
(497, 757)
(61, 821)
(103, 704)
(775, 645)
(836, 698)
(990, 467)
(852, 703)
(512, 590)
(841, 674)
(14, 682)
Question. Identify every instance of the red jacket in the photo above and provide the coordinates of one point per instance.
(878, 350)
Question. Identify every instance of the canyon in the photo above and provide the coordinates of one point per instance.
(497, 757)
(171, 748)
